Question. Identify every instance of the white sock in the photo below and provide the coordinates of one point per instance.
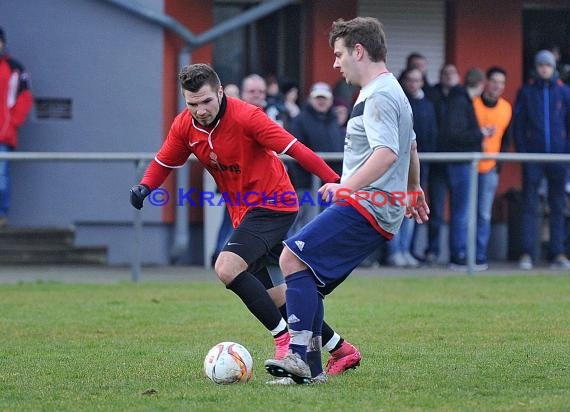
(279, 328)
(330, 345)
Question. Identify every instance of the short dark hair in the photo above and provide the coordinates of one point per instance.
(366, 31)
(473, 77)
(412, 56)
(194, 76)
(495, 69)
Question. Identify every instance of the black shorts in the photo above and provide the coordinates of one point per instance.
(258, 240)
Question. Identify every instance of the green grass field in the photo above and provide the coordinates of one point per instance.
(439, 343)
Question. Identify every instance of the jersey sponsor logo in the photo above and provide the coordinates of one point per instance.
(216, 166)
(300, 244)
(293, 319)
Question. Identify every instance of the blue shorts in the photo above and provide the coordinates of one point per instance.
(334, 243)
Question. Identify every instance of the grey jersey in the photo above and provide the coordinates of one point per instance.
(381, 117)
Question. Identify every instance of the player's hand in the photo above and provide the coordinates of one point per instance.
(328, 192)
(138, 193)
(416, 206)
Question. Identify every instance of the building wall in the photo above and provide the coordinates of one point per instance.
(318, 55)
(196, 16)
(110, 64)
(486, 33)
(426, 17)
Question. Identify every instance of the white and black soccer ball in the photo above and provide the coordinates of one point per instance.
(228, 362)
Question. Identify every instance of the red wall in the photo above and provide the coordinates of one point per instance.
(318, 56)
(484, 33)
(196, 16)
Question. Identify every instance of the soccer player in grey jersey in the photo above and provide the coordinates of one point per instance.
(380, 185)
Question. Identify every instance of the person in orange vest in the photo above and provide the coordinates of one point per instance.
(494, 115)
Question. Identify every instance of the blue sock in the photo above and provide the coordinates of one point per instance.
(302, 305)
(314, 349)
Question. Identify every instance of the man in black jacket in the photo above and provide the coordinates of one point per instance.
(317, 128)
(458, 132)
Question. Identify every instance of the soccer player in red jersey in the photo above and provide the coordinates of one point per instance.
(238, 144)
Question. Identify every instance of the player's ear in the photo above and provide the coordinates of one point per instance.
(359, 51)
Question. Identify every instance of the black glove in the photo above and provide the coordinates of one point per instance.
(138, 193)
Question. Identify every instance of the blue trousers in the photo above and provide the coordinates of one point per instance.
(556, 178)
(453, 177)
(5, 184)
(487, 188)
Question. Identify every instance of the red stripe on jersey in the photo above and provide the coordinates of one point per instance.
(366, 214)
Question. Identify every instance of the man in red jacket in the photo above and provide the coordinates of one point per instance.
(238, 144)
(15, 104)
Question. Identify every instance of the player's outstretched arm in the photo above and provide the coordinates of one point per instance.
(153, 177)
(312, 163)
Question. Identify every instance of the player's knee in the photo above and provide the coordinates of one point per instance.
(289, 263)
(227, 268)
(224, 273)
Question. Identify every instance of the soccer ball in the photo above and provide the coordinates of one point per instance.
(228, 362)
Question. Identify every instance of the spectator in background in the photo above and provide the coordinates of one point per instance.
(474, 82)
(342, 111)
(418, 61)
(275, 107)
(562, 67)
(345, 92)
(317, 128)
(254, 91)
(425, 121)
(291, 96)
(15, 104)
(273, 90)
(493, 114)
(425, 125)
(541, 116)
(231, 90)
(458, 131)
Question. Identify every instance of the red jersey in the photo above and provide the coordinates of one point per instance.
(15, 99)
(239, 151)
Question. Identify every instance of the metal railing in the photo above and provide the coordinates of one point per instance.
(140, 159)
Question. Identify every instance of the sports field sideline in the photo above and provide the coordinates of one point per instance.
(106, 274)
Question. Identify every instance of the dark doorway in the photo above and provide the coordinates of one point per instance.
(269, 46)
(545, 29)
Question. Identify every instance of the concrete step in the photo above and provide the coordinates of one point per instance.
(93, 255)
(46, 245)
(36, 236)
